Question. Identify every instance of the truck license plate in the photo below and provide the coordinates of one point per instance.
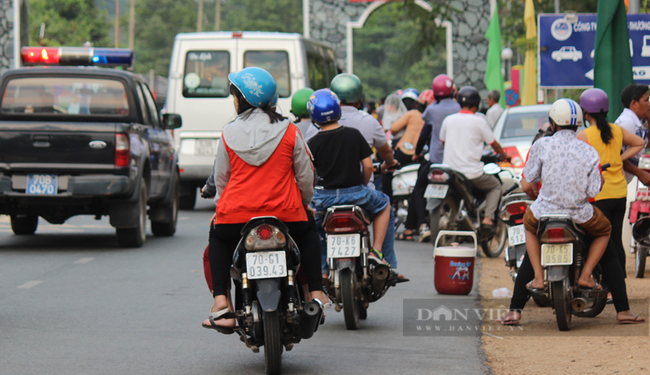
(517, 235)
(206, 146)
(41, 184)
(557, 255)
(266, 264)
(436, 191)
(343, 245)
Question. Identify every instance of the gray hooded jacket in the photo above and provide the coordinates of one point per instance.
(254, 140)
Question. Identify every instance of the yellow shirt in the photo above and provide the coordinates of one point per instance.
(615, 184)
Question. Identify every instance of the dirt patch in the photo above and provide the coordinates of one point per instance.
(593, 346)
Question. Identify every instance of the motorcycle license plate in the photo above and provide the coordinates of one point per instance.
(557, 255)
(517, 235)
(266, 264)
(436, 191)
(41, 184)
(343, 245)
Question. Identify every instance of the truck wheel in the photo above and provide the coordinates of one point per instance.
(168, 228)
(134, 237)
(188, 197)
(24, 224)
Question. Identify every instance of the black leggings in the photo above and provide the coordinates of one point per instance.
(613, 272)
(224, 238)
(614, 210)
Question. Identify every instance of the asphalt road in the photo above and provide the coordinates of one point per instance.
(73, 302)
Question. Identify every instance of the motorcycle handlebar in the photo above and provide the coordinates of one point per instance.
(511, 189)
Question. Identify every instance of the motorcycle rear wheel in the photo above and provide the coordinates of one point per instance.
(494, 247)
(561, 291)
(348, 280)
(641, 254)
(443, 217)
(272, 342)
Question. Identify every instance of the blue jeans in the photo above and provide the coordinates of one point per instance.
(371, 200)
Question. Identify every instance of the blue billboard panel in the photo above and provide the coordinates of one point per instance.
(566, 49)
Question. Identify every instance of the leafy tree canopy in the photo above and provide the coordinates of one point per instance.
(67, 22)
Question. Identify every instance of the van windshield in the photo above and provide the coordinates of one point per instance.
(274, 62)
(206, 74)
(65, 96)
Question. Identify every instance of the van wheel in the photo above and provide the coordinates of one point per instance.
(135, 237)
(168, 228)
(24, 224)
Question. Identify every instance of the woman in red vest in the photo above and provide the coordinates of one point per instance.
(262, 168)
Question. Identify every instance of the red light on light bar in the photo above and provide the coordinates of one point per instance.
(40, 55)
(237, 34)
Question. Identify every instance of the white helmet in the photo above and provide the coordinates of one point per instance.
(566, 113)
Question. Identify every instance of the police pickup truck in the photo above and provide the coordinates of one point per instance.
(84, 140)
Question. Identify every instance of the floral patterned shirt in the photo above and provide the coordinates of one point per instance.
(570, 173)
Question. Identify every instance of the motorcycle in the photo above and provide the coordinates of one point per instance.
(639, 217)
(454, 204)
(511, 212)
(353, 282)
(563, 253)
(403, 184)
(269, 304)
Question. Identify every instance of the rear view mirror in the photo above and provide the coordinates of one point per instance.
(172, 121)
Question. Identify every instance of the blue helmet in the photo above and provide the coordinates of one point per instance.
(410, 93)
(256, 85)
(324, 106)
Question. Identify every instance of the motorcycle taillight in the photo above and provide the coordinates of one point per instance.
(517, 208)
(557, 235)
(344, 222)
(265, 237)
(437, 175)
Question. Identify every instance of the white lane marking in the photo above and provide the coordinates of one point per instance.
(29, 284)
(184, 218)
(83, 260)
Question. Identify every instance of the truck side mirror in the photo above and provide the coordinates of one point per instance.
(172, 121)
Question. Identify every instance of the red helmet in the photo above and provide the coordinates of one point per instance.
(442, 85)
(426, 97)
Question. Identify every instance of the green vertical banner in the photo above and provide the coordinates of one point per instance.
(493, 75)
(612, 60)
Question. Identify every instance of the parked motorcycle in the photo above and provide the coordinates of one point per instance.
(269, 304)
(353, 282)
(454, 204)
(639, 218)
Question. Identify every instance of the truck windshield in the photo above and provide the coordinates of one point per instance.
(65, 96)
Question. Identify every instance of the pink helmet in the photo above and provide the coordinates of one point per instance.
(426, 97)
(442, 85)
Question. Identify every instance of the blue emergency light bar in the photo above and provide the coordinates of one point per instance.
(78, 56)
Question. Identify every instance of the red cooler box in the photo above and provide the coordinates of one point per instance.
(454, 265)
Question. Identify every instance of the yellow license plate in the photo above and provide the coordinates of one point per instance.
(557, 255)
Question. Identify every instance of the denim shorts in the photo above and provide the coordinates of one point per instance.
(371, 200)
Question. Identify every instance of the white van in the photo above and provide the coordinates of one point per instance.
(198, 87)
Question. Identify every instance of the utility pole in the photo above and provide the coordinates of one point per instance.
(199, 23)
(117, 24)
(217, 17)
(557, 11)
(132, 25)
(634, 6)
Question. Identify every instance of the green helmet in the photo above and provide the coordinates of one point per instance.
(347, 87)
(299, 102)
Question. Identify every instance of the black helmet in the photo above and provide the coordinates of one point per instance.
(468, 96)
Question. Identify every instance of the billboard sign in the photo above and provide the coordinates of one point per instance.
(566, 49)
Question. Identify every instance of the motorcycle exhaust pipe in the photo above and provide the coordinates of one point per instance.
(309, 319)
(380, 278)
(579, 304)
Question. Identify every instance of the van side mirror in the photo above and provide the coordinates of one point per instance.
(172, 121)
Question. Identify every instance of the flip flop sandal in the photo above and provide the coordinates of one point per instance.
(508, 322)
(398, 278)
(221, 314)
(530, 288)
(404, 237)
(632, 321)
(597, 287)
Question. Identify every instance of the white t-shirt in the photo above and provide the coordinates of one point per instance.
(464, 135)
(493, 114)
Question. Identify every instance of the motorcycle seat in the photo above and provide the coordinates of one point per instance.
(360, 211)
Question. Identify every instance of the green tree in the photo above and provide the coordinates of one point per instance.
(67, 22)
(388, 55)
